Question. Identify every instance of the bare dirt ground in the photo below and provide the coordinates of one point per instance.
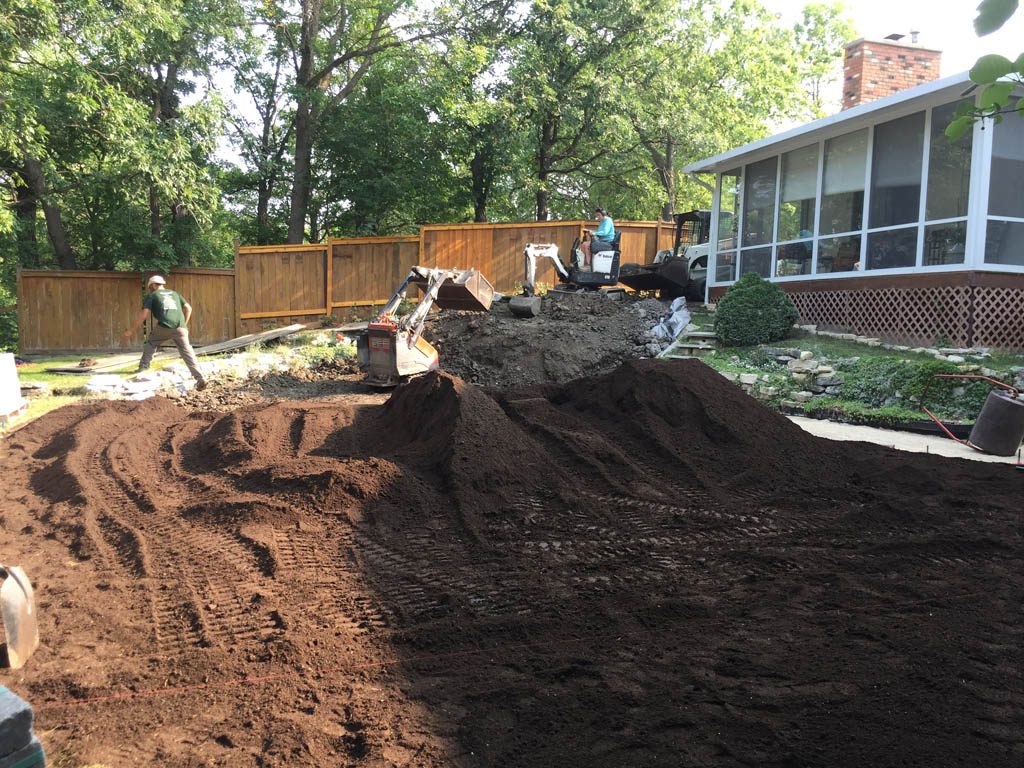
(644, 568)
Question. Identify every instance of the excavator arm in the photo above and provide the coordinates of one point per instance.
(531, 253)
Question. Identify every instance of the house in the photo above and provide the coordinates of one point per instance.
(872, 220)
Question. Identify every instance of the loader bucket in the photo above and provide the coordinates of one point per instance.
(17, 603)
(670, 278)
(468, 291)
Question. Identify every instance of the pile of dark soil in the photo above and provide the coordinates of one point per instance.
(574, 336)
(644, 568)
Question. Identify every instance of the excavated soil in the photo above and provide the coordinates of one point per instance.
(646, 568)
(575, 335)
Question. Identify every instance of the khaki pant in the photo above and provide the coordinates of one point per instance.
(159, 336)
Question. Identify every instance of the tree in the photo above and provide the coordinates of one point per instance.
(334, 45)
(562, 62)
(820, 37)
(94, 133)
(999, 76)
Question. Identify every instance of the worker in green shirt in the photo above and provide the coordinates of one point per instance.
(170, 314)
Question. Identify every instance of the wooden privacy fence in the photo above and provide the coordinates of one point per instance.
(296, 283)
(77, 311)
(274, 285)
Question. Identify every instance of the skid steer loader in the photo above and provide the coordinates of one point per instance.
(392, 348)
(681, 270)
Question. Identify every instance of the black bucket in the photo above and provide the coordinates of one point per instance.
(1000, 425)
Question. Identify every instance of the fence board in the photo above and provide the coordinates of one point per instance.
(71, 311)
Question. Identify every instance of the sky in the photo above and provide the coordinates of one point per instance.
(945, 25)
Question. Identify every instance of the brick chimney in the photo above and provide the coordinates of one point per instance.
(876, 68)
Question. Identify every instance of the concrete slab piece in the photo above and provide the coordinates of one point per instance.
(902, 441)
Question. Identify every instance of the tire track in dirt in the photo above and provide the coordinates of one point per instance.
(190, 572)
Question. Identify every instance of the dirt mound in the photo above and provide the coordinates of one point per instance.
(574, 336)
(641, 568)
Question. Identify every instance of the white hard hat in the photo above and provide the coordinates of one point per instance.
(156, 279)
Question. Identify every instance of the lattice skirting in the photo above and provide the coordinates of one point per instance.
(961, 316)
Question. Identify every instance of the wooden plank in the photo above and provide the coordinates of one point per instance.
(361, 303)
(119, 361)
(283, 313)
(255, 249)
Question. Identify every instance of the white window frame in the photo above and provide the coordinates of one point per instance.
(977, 217)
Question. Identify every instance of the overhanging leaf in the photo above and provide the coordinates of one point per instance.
(992, 14)
(990, 68)
(956, 129)
(996, 95)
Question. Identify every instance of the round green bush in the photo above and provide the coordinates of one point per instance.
(754, 311)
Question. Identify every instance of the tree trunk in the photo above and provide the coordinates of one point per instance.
(314, 222)
(548, 135)
(263, 192)
(482, 167)
(54, 224)
(301, 179)
(155, 221)
(667, 175)
(26, 209)
(304, 119)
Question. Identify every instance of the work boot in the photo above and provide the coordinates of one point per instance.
(200, 385)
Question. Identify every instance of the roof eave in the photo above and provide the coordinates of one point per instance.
(832, 125)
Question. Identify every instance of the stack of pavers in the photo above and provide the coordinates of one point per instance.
(19, 747)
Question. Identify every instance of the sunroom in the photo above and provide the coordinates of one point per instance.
(874, 222)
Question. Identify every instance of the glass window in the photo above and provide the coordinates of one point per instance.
(759, 202)
(1006, 187)
(757, 260)
(892, 248)
(896, 172)
(728, 213)
(839, 254)
(842, 194)
(945, 243)
(793, 258)
(725, 267)
(799, 190)
(1004, 241)
(949, 169)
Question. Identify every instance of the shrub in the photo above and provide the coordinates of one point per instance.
(754, 311)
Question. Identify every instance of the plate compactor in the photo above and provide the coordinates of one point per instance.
(392, 348)
(21, 628)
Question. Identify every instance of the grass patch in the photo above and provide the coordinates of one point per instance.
(65, 383)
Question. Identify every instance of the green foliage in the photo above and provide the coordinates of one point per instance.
(852, 412)
(888, 382)
(8, 331)
(754, 311)
(999, 76)
(992, 14)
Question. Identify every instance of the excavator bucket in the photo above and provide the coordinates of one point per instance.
(17, 603)
(468, 291)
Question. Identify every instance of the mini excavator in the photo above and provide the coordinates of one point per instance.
(602, 273)
(392, 349)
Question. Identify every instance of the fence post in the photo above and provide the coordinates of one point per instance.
(20, 294)
(238, 297)
(329, 297)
